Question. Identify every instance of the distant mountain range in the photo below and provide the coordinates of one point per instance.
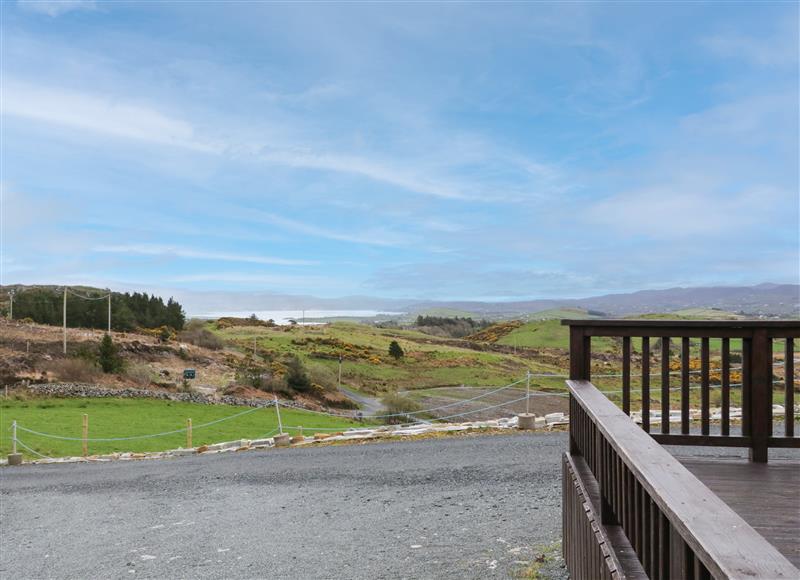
(763, 300)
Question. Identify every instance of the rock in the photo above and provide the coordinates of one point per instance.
(297, 439)
(282, 440)
(321, 436)
(202, 449)
(15, 458)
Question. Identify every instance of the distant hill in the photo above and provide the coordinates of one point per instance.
(763, 300)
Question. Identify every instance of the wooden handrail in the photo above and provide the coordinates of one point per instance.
(727, 545)
(758, 339)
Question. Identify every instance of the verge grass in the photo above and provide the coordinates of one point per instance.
(109, 417)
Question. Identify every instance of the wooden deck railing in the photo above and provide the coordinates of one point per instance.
(674, 525)
(757, 340)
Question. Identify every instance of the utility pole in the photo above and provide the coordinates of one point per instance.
(254, 348)
(11, 306)
(65, 320)
(109, 311)
(340, 372)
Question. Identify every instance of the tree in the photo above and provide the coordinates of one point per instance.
(108, 357)
(297, 377)
(395, 350)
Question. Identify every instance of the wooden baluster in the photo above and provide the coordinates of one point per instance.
(663, 549)
(645, 555)
(747, 353)
(788, 380)
(685, 392)
(726, 386)
(705, 391)
(654, 541)
(665, 384)
(646, 383)
(760, 396)
(626, 375)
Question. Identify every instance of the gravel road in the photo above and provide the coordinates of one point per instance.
(467, 507)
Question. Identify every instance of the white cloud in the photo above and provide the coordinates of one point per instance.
(175, 251)
(55, 8)
(99, 114)
(375, 237)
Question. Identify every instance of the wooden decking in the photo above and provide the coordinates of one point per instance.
(766, 496)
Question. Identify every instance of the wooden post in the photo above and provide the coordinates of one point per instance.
(85, 435)
(189, 433)
(760, 395)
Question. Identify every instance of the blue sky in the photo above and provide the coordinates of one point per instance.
(449, 151)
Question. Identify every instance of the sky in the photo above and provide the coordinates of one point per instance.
(496, 151)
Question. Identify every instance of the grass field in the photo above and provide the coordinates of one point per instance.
(132, 417)
(429, 361)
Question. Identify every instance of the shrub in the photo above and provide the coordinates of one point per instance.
(201, 337)
(140, 374)
(395, 350)
(399, 405)
(108, 358)
(77, 370)
(323, 376)
(296, 375)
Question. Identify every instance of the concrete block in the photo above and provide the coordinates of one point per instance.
(15, 458)
(526, 421)
(282, 440)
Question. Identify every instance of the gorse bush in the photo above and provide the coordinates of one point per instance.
(399, 405)
(296, 377)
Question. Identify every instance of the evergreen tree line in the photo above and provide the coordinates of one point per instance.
(128, 311)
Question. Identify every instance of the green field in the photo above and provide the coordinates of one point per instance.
(132, 417)
(429, 361)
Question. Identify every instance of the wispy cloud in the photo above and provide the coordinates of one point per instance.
(777, 48)
(373, 237)
(99, 114)
(178, 252)
(55, 8)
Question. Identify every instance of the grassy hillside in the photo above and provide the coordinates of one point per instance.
(429, 361)
(132, 417)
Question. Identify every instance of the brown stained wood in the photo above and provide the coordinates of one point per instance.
(705, 392)
(646, 383)
(765, 496)
(702, 440)
(788, 376)
(725, 428)
(760, 395)
(665, 342)
(580, 350)
(722, 540)
(685, 392)
(592, 550)
(663, 548)
(747, 350)
(626, 375)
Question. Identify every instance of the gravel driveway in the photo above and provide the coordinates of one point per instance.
(467, 507)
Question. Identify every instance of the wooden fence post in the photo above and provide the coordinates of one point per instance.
(85, 435)
(189, 433)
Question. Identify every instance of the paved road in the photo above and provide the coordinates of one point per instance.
(369, 405)
(468, 507)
